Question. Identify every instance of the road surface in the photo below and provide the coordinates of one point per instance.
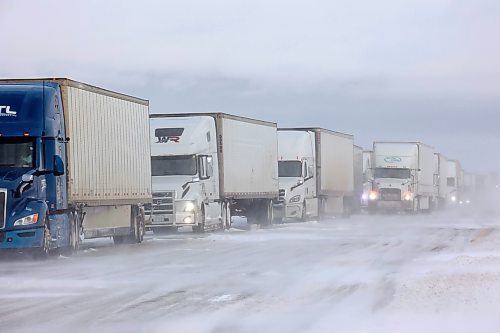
(435, 273)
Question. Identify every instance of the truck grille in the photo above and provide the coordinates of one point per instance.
(163, 203)
(3, 204)
(390, 194)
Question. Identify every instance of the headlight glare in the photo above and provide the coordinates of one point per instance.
(408, 196)
(189, 207)
(373, 195)
(27, 220)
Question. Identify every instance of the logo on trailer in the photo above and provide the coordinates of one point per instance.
(5, 111)
(165, 135)
(392, 159)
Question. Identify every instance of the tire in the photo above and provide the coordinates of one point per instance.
(44, 250)
(346, 209)
(321, 209)
(138, 228)
(74, 237)
(228, 216)
(227, 213)
(200, 228)
(118, 240)
(267, 213)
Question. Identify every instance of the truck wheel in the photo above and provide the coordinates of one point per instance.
(269, 213)
(200, 228)
(119, 239)
(74, 237)
(321, 209)
(44, 250)
(140, 229)
(228, 216)
(346, 209)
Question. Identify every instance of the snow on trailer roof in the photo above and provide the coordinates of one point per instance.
(316, 129)
(215, 115)
(80, 85)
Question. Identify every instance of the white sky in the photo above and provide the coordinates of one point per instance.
(426, 70)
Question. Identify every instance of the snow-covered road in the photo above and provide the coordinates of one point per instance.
(437, 273)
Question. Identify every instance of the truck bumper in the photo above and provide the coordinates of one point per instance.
(293, 211)
(289, 211)
(21, 239)
(173, 220)
(392, 205)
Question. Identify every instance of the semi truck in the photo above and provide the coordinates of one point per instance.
(440, 180)
(207, 167)
(403, 177)
(74, 164)
(454, 181)
(315, 173)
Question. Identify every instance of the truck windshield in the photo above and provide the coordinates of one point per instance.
(173, 165)
(289, 168)
(392, 173)
(17, 152)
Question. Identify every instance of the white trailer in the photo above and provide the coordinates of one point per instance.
(209, 166)
(109, 170)
(315, 172)
(440, 180)
(403, 176)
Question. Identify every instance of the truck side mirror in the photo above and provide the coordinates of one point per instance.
(311, 170)
(58, 166)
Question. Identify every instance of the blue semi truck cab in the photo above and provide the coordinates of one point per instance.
(33, 207)
(35, 213)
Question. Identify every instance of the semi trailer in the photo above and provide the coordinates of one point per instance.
(74, 164)
(207, 167)
(315, 173)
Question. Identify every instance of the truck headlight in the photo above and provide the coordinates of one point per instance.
(453, 198)
(373, 195)
(189, 207)
(408, 196)
(295, 198)
(27, 220)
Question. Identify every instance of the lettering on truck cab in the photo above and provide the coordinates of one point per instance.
(164, 135)
(5, 111)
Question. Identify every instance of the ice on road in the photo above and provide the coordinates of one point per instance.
(437, 273)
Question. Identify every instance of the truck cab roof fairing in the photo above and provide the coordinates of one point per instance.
(23, 108)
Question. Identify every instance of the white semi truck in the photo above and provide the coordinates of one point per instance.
(315, 172)
(207, 167)
(403, 176)
(440, 180)
(454, 181)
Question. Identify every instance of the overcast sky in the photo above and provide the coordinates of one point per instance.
(420, 70)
